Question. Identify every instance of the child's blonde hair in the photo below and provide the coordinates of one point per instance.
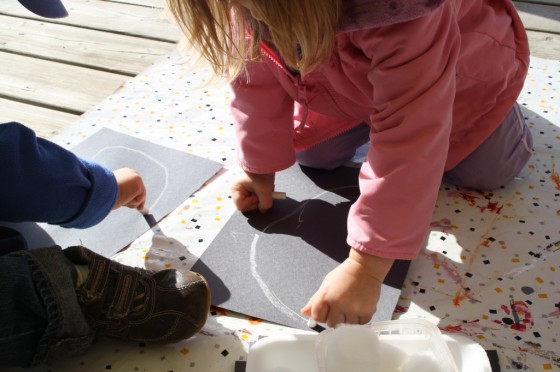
(303, 31)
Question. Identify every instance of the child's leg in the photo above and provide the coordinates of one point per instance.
(499, 159)
(335, 151)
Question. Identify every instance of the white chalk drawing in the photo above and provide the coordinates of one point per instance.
(141, 153)
(269, 293)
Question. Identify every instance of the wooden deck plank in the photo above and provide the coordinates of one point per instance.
(544, 45)
(143, 21)
(91, 53)
(46, 123)
(161, 4)
(549, 2)
(539, 17)
(54, 85)
(83, 47)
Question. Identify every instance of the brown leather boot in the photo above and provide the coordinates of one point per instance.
(140, 305)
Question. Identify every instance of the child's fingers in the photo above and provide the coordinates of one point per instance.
(139, 200)
(335, 317)
(318, 310)
(243, 199)
(306, 310)
(364, 319)
(250, 204)
(137, 203)
(246, 203)
(135, 197)
(264, 201)
(352, 319)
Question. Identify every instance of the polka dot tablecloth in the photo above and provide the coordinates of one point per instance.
(490, 270)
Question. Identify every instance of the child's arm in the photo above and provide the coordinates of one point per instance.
(263, 115)
(43, 182)
(349, 293)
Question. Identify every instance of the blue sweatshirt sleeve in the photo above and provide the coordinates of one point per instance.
(43, 182)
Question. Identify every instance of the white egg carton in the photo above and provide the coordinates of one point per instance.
(400, 346)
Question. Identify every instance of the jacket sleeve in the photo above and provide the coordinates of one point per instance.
(43, 182)
(413, 76)
(263, 114)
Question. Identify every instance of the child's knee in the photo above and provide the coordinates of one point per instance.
(490, 172)
(499, 159)
(473, 179)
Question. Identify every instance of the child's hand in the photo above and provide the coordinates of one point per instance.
(253, 191)
(349, 293)
(132, 192)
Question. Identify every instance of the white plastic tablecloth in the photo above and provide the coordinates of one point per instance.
(490, 270)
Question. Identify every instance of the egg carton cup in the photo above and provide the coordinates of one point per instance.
(397, 345)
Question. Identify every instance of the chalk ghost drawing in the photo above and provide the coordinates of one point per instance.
(304, 222)
(154, 173)
(269, 265)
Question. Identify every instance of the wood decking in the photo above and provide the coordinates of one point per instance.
(55, 70)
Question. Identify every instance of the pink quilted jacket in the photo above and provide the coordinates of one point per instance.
(433, 80)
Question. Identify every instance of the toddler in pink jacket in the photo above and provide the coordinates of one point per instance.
(430, 84)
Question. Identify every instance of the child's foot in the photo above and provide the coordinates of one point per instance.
(140, 305)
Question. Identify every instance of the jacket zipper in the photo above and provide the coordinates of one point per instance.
(271, 54)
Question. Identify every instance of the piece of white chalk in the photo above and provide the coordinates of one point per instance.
(279, 195)
(144, 211)
(311, 323)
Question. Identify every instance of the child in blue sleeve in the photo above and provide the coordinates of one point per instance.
(53, 302)
(46, 183)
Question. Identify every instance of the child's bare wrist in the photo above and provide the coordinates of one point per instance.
(374, 266)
